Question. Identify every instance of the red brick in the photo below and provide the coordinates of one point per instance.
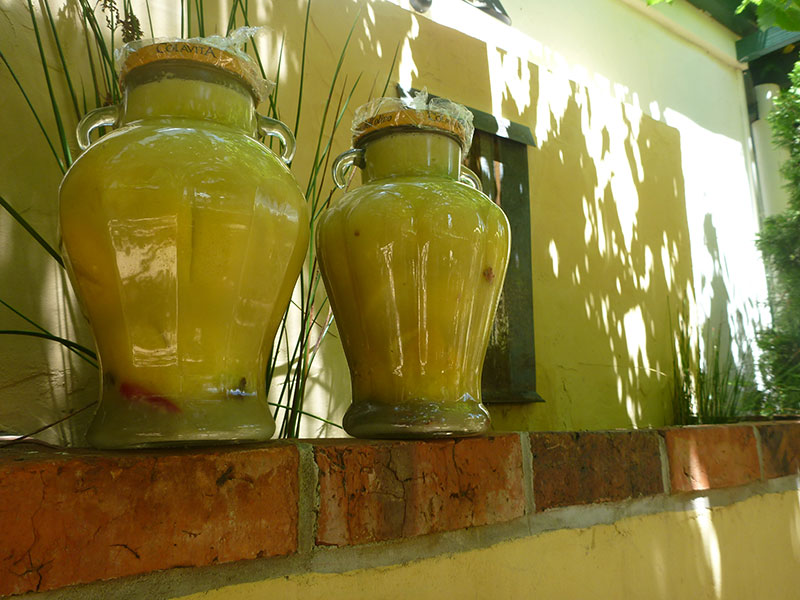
(380, 491)
(712, 456)
(588, 467)
(780, 449)
(75, 517)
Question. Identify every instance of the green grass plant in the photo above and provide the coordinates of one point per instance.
(779, 242)
(709, 385)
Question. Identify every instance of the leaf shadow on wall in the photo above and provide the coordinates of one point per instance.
(722, 330)
(611, 257)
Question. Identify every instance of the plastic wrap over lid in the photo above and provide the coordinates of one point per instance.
(222, 52)
(419, 111)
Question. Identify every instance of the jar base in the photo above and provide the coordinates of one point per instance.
(104, 441)
(416, 420)
(198, 423)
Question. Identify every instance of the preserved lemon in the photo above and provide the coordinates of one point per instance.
(183, 236)
(413, 262)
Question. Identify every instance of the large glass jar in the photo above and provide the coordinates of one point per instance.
(183, 236)
(413, 262)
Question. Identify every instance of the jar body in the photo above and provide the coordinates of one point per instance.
(414, 265)
(183, 237)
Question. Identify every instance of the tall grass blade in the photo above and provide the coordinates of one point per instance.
(35, 115)
(302, 69)
(30, 229)
(62, 134)
(391, 69)
(304, 413)
(201, 26)
(312, 180)
(149, 19)
(109, 71)
(323, 167)
(92, 69)
(82, 352)
(273, 97)
(30, 434)
(53, 338)
(232, 18)
(63, 61)
(300, 354)
(308, 317)
(112, 26)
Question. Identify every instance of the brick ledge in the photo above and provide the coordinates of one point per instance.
(77, 516)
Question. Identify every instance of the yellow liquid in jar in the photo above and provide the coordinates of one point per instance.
(179, 236)
(414, 268)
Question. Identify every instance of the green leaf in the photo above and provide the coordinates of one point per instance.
(30, 434)
(35, 114)
(31, 231)
(745, 4)
(53, 338)
(149, 19)
(62, 134)
(304, 413)
(774, 13)
(63, 61)
(82, 352)
(302, 69)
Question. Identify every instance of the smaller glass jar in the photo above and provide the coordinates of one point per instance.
(413, 262)
(183, 236)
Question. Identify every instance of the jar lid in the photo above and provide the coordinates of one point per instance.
(221, 52)
(419, 112)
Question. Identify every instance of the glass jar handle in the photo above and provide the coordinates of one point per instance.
(343, 163)
(105, 116)
(274, 128)
(469, 178)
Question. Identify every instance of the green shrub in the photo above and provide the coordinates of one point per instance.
(779, 242)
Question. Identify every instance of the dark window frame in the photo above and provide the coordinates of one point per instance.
(509, 373)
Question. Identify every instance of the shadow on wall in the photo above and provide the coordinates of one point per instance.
(611, 261)
(718, 326)
(719, 293)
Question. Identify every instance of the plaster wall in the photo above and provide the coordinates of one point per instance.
(642, 197)
(696, 553)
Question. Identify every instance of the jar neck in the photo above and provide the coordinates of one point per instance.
(162, 94)
(411, 153)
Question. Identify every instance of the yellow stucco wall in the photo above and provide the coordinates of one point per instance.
(611, 262)
(698, 554)
(637, 168)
